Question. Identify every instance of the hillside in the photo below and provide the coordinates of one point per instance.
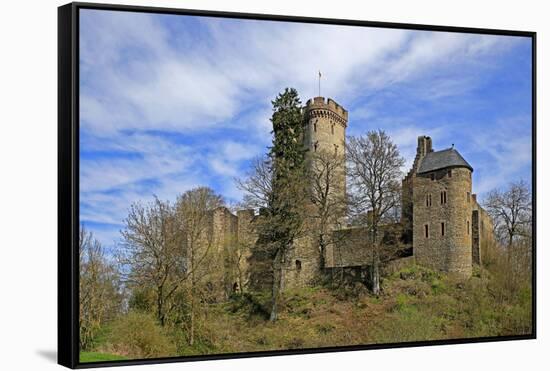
(415, 304)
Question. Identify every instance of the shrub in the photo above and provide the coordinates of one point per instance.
(401, 302)
(438, 286)
(138, 335)
(251, 304)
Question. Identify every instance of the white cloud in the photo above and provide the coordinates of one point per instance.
(205, 84)
(148, 157)
(506, 153)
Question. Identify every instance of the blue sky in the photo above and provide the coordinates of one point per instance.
(171, 102)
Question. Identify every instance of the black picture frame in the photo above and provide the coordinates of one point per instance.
(68, 180)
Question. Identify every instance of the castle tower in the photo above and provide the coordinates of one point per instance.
(325, 132)
(442, 210)
(324, 135)
(326, 125)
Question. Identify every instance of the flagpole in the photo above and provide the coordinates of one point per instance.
(319, 83)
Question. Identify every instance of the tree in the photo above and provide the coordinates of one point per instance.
(327, 195)
(258, 185)
(194, 210)
(99, 291)
(511, 211)
(152, 254)
(277, 185)
(374, 173)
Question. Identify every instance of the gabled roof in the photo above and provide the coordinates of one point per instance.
(442, 159)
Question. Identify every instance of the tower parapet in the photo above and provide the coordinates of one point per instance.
(319, 107)
(326, 123)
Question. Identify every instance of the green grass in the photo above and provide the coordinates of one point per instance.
(99, 357)
(415, 304)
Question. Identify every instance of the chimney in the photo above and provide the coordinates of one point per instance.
(424, 145)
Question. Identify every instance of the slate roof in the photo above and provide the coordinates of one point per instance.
(442, 159)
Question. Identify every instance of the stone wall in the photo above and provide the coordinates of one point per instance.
(448, 243)
(224, 239)
(482, 231)
(424, 147)
(349, 248)
(246, 238)
(398, 264)
(302, 265)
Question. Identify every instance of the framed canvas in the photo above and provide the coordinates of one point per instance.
(243, 185)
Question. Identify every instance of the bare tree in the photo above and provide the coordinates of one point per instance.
(194, 211)
(327, 194)
(511, 211)
(374, 173)
(152, 255)
(99, 295)
(258, 185)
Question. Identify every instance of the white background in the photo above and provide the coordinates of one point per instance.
(28, 183)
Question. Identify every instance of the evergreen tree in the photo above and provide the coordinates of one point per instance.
(277, 185)
(284, 217)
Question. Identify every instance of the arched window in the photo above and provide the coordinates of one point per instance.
(315, 126)
(468, 227)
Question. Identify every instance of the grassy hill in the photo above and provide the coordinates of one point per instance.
(416, 304)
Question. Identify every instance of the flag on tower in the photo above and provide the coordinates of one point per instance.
(319, 83)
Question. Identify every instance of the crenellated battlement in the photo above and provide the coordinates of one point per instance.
(319, 107)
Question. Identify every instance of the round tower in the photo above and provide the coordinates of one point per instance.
(442, 212)
(325, 132)
(324, 135)
(326, 125)
(459, 231)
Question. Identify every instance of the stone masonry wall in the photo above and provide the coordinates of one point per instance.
(450, 249)
(482, 231)
(302, 265)
(246, 238)
(224, 237)
(349, 248)
(424, 147)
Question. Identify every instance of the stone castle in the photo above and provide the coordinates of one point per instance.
(441, 223)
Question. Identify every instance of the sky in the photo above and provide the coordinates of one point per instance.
(171, 102)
